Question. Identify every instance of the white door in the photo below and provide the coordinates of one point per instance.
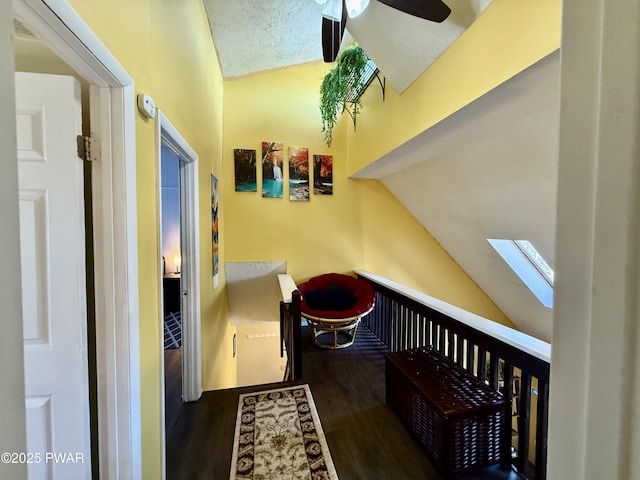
(53, 276)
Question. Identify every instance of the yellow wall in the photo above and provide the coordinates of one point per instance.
(315, 236)
(396, 246)
(166, 47)
(360, 226)
(508, 37)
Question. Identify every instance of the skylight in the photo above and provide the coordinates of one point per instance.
(529, 265)
(356, 7)
(537, 260)
(358, 87)
(333, 8)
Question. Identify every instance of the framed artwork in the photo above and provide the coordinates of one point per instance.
(214, 229)
(245, 170)
(272, 160)
(323, 175)
(298, 174)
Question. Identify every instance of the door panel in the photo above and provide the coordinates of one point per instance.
(53, 275)
(35, 288)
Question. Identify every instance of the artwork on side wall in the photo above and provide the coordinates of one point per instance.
(323, 175)
(214, 228)
(245, 170)
(272, 160)
(298, 174)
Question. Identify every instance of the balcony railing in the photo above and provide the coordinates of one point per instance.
(512, 363)
(290, 324)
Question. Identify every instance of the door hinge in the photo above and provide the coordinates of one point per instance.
(87, 148)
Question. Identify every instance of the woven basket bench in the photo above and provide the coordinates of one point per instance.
(455, 417)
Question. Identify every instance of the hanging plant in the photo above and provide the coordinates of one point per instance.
(338, 85)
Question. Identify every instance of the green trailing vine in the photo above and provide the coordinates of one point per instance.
(337, 84)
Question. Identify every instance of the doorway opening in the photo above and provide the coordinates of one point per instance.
(109, 90)
(171, 263)
(184, 272)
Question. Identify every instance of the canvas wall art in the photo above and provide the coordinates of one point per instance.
(272, 161)
(214, 229)
(323, 175)
(298, 174)
(245, 170)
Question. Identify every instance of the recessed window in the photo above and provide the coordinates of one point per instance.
(358, 86)
(356, 7)
(537, 260)
(529, 265)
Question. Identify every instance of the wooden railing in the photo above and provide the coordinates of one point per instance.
(509, 361)
(290, 329)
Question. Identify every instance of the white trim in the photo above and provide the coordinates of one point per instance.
(515, 338)
(12, 400)
(117, 329)
(57, 24)
(189, 205)
(115, 229)
(594, 424)
(168, 135)
(190, 245)
(287, 286)
(526, 268)
(174, 140)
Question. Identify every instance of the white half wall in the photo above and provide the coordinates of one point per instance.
(253, 291)
(254, 297)
(258, 351)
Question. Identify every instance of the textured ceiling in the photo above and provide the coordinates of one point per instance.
(256, 35)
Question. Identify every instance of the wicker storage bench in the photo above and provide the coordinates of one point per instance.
(455, 417)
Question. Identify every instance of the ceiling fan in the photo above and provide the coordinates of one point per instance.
(335, 12)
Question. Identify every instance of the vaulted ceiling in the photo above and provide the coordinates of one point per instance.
(256, 35)
(500, 182)
(487, 171)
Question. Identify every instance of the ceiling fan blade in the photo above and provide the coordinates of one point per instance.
(332, 33)
(434, 10)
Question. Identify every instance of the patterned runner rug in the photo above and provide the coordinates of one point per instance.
(279, 436)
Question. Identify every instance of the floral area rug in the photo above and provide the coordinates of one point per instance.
(279, 436)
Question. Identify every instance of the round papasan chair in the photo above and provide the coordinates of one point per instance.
(334, 303)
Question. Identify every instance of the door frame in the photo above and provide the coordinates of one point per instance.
(112, 100)
(12, 405)
(169, 136)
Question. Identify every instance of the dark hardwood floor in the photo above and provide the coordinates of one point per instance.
(366, 439)
(172, 387)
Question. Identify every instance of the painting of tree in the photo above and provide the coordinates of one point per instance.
(214, 229)
(323, 175)
(272, 160)
(298, 174)
(245, 170)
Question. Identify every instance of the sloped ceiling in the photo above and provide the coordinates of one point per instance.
(256, 35)
(404, 46)
(489, 171)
